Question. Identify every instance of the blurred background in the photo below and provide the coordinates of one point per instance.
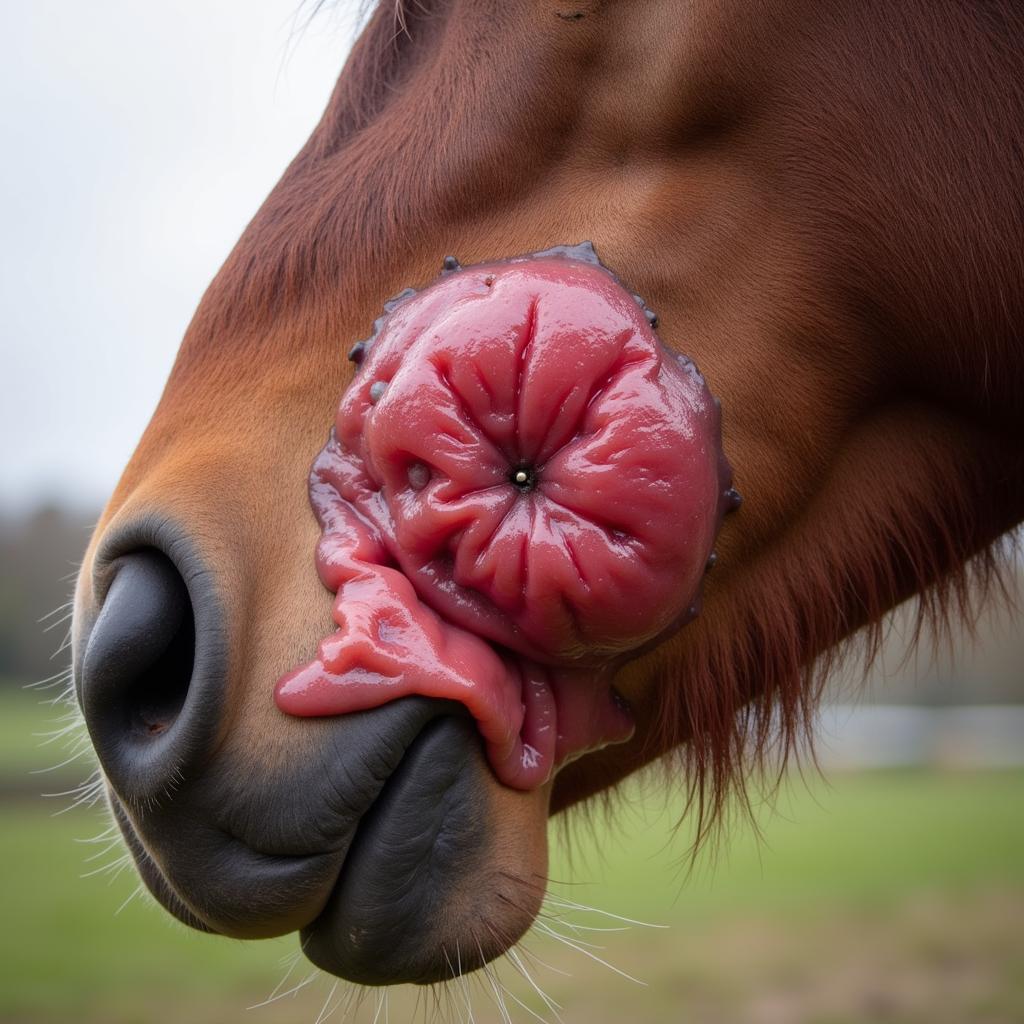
(138, 140)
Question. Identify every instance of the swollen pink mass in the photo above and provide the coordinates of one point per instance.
(522, 487)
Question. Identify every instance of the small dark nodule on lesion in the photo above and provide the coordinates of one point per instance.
(523, 477)
(570, 15)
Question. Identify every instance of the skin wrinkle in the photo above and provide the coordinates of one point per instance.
(529, 333)
(821, 203)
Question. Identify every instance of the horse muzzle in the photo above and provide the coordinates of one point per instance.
(520, 493)
(381, 821)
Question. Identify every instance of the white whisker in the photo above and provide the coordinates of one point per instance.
(63, 728)
(78, 749)
(561, 901)
(534, 958)
(50, 681)
(451, 968)
(136, 892)
(323, 1015)
(276, 994)
(103, 837)
(112, 845)
(582, 942)
(114, 868)
(529, 1009)
(587, 953)
(359, 994)
(464, 985)
(592, 928)
(64, 645)
(290, 962)
(66, 697)
(521, 967)
(499, 1002)
(56, 611)
(56, 622)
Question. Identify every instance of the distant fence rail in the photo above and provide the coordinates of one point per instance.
(881, 736)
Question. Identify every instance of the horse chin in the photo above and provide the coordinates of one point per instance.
(442, 873)
(441, 876)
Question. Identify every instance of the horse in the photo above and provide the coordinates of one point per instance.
(822, 202)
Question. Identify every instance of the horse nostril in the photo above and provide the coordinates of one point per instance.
(146, 708)
(152, 701)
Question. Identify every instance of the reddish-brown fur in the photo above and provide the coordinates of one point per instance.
(823, 202)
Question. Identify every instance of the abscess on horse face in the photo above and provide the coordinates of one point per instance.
(545, 482)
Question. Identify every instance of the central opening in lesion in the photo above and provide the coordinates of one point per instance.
(523, 477)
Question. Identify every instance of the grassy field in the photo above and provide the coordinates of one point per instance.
(883, 897)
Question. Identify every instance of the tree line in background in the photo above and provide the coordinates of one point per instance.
(40, 552)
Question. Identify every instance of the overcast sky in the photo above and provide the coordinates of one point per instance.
(137, 139)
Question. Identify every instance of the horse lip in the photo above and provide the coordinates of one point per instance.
(250, 871)
(408, 865)
(151, 875)
(216, 875)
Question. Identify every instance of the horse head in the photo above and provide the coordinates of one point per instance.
(821, 204)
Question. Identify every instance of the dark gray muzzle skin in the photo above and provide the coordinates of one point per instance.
(357, 841)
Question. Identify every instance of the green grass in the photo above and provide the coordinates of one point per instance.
(891, 897)
(864, 837)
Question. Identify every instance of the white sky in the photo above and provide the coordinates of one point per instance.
(136, 141)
